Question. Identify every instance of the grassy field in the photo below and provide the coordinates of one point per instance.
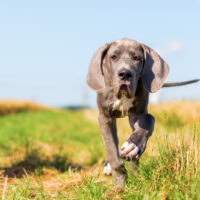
(59, 154)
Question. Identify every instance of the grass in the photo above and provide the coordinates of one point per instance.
(59, 154)
(11, 107)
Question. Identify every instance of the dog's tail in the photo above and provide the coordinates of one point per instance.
(180, 83)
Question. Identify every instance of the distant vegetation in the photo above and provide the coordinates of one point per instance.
(72, 107)
(11, 107)
(59, 154)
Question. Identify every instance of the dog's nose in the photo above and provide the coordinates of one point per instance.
(124, 74)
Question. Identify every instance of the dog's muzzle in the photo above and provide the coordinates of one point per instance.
(125, 78)
(125, 74)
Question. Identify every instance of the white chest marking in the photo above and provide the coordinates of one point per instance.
(123, 105)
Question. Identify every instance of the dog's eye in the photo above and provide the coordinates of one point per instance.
(136, 58)
(113, 57)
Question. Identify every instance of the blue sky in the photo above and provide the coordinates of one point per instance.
(46, 46)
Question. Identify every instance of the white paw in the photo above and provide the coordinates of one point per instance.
(129, 151)
(107, 170)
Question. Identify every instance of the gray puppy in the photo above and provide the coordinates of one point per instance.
(123, 73)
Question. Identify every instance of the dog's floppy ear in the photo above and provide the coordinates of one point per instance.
(155, 70)
(95, 78)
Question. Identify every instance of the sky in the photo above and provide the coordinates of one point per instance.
(46, 46)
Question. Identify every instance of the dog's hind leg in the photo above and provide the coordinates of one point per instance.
(107, 169)
(134, 167)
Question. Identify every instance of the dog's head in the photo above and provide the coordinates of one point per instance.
(122, 63)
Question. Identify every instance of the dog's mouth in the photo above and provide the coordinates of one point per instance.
(123, 91)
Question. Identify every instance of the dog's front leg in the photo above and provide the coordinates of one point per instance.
(109, 133)
(142, 126)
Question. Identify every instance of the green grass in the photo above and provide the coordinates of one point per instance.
(62, 130)
(59, 155)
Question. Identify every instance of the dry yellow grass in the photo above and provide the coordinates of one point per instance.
(14, 106)
(189, 111)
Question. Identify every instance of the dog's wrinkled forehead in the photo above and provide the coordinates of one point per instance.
(126, 46)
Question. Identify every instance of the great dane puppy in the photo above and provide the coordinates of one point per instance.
(123, 73)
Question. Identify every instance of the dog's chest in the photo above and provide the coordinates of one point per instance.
(123, 105)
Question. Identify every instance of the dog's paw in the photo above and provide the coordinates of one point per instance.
(129, 151)
(107, 169)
